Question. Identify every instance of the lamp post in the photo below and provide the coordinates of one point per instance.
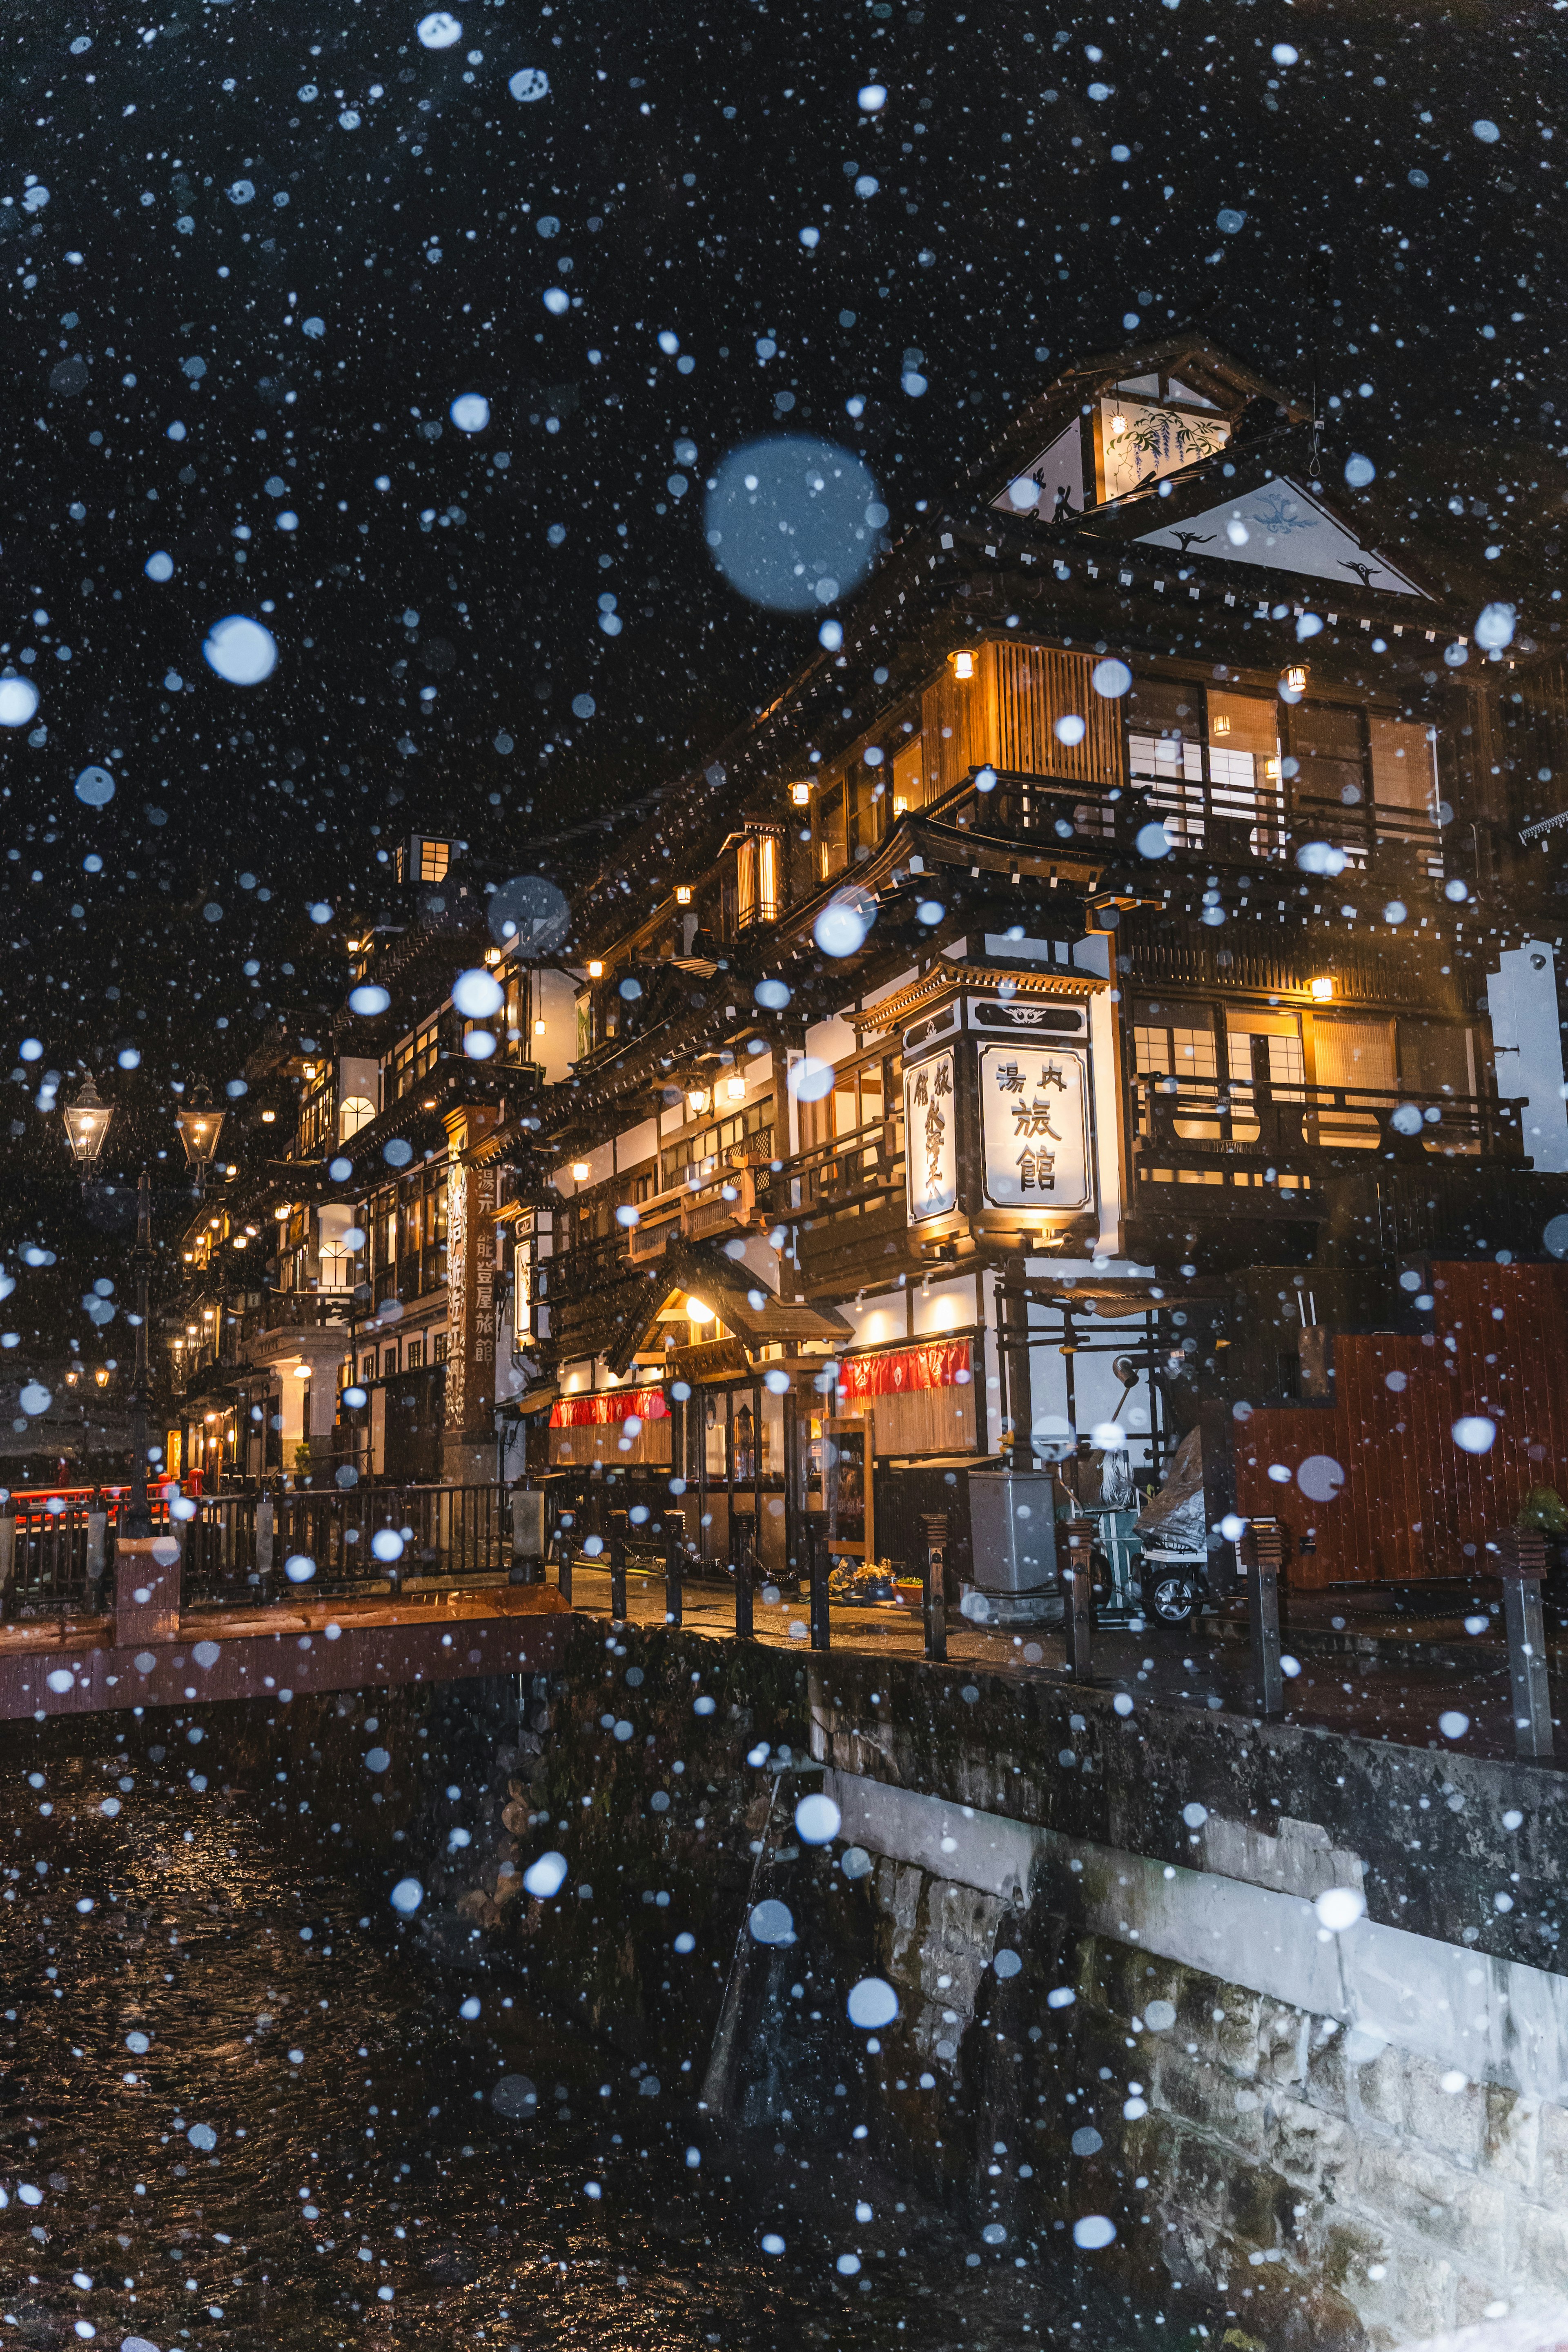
(198, 1124)
(138, 1516)
(87, 1124)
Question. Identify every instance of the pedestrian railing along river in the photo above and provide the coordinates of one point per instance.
(57, 1552)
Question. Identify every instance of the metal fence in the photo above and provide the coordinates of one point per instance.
(236, 1548)
(57, 1555)
(341, 1539)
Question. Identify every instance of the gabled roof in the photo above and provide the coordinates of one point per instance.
(1283, 527)
(1183, 370)
(1208, 444)
(1256, 516)
(745, 1305)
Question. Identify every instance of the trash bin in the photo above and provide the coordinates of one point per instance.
(1013, 1548)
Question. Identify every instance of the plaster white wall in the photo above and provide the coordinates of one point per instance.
(832, 1040)
(876, 1319)
(948, 1307)
(637, 1143)
(1527, 1039)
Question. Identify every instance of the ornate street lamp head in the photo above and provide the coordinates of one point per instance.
(87, 1124)
(199, 1124)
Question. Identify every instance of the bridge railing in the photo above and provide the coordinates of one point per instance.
(57, 1555)
(246, 1547)
(236, 1548)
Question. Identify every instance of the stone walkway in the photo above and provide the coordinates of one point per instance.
(1401, 1700)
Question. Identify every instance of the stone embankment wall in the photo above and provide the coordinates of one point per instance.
(1117, 1996)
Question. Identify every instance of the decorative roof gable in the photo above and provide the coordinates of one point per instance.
(1282, 527)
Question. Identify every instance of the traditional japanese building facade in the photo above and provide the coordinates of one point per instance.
(1126, 962)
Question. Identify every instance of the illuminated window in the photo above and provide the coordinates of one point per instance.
(1404, 769)
(434, 857)
(757, 878)
(416, 1057)
(746, 1135)
(1171, 1045)
(831, 854)
(357, 1111)
(908, 777)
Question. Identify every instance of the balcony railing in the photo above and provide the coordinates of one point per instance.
(723, 1202)
(1250, 1134)
(842, 1173)
(1270, 822)
(573, 1276)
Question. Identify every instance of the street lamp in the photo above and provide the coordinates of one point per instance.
(87, 1124)
(198, 1124)
(138, 1515)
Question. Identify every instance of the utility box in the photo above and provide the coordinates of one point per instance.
(1012, 1533)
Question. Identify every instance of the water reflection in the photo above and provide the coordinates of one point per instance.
(234, 2111)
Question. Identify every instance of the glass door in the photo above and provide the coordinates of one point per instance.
(1268, 1071)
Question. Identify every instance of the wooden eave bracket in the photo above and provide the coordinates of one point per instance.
(944, 978)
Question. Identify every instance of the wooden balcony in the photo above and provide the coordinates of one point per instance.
(588, 1290)
(731, 1199)
(1271, 823)
(846, 1202)
(723, 1204)
(1266, 1150)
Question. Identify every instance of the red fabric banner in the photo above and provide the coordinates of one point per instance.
(606, 1406)
(942, 1364)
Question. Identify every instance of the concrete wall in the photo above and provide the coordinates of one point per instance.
(1308, 2137)
(1326, 2180)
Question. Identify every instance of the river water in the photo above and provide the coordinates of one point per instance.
(234, 2111)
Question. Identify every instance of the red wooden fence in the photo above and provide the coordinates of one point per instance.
(1410, 1501)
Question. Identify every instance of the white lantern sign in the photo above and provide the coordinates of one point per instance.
(930, 1143)
(1035, 1130)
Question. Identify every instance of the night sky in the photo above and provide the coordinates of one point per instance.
(278, 244)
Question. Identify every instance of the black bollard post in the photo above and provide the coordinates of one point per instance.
(821, 1569)
(1265, 1554)
(933, 1581)
(1521, 1564)
(618, 1579)
(563, 1542)
(1077, 1616)
(673, 1558)
(744, 1586)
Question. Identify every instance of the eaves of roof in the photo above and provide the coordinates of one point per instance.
(1232, 386)
(646, 1063)
(418, 1117)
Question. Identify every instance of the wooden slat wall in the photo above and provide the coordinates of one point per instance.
(926, 1421)
(1006, 714)
(1414, 1503)
(601, 1441)
(1036, 686)
(958, 724)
